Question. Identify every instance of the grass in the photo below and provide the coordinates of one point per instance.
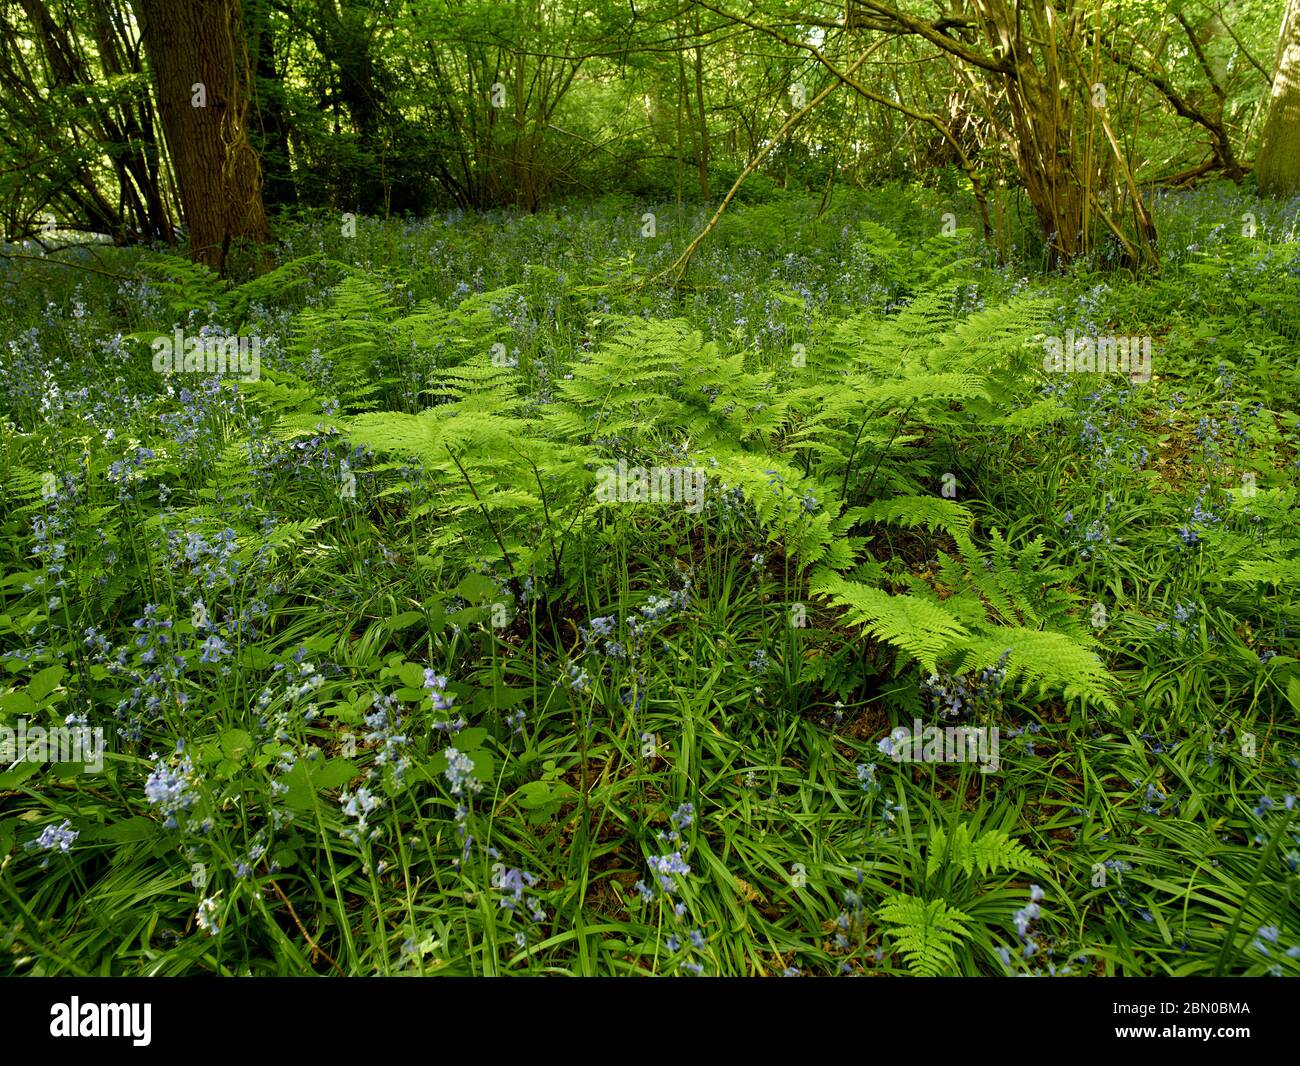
(320, 823)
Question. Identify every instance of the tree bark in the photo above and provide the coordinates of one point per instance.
(1278, 165)
(200, 43)
(702, 156)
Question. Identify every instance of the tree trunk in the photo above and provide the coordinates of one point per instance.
(1278, 165)
(195, 60)
(702, 159)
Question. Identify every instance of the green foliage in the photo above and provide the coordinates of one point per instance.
(926, 932)
(385, 570)
(990, 852)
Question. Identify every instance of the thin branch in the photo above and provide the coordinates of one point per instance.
(306, 935)
(60, 262)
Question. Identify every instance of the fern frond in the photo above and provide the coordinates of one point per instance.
(992, 852)
(926, 932)
(923, 629)
(1044, 658)
(1281, 572)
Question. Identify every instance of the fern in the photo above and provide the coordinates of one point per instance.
(1046, 660)
(1280, 572)
(958, 631)
(932, 512)
(924, 630)
(1014, 585)
(991, 852)
(185, 285)
(927, 933)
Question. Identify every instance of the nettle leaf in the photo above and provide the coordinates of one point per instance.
(411, 675)
(477, 588)
(17, 703)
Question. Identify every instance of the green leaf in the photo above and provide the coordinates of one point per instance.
(538, 794)
(306, 779)
(19, 774)
(477, 589)
(17, 703)
(404, 620)
(334, 774)
(130, 830)
(44, 683)
(467, 740)
(235, 743)
(411, 675)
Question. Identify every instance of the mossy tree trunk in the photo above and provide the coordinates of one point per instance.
(200, 70)
(1278, 165)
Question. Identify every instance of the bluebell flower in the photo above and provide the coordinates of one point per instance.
(437, 686)
(602, 627)
(512, 884)
(211, 650)
(576, 678)
(60, 837)
(460, 773)
(1025, 917)
(171, 789)
(206, 917)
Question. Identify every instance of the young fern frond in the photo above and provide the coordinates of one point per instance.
(992, 852)
(927, 932)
